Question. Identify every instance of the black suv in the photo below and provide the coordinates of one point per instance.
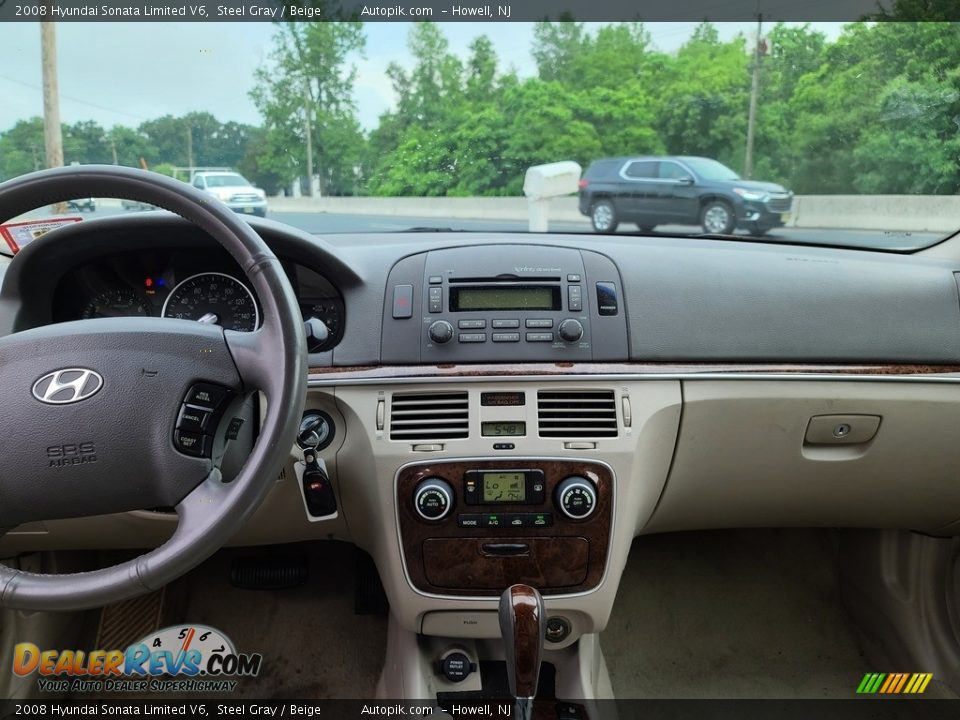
(651, 191)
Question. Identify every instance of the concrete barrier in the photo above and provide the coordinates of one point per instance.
(917, 213)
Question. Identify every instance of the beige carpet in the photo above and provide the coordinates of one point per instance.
(735, 614)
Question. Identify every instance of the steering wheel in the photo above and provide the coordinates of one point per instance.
(90, 409)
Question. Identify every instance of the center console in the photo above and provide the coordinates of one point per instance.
(473, 527)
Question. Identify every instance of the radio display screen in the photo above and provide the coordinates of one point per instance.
(504, 487)
(473, 298)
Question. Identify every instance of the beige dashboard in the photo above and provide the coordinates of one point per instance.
(689, 451)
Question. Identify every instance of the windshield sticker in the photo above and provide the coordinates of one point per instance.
(20, 234)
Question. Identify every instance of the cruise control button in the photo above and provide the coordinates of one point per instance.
(539, 323)
(539, 337)
(506, 337)
(193, 419)
(193, 444)
(206, 395)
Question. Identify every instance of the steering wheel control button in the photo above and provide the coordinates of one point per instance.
(440, 332)
(433, 499)
(194, 444)
(402, 301)
(576, 497)
(233, 429)
(207, 395)
(193, 419)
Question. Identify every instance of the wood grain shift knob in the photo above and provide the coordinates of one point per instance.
(523, 622)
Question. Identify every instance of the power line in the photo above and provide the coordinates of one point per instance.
(31, 86)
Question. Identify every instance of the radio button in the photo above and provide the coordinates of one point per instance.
(570, 330)
(473, 337)
(440, 332)
(472, 324)
(436, 279)
(573, 278)
(539, 323)
(506, 337)
(502, 324)
(539, 337)
(436, 299)
(575, 298)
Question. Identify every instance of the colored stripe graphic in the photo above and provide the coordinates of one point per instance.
(894, 683)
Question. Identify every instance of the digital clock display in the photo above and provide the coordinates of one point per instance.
(503, 429)
(504, 487)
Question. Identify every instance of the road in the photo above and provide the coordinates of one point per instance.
(338, 223)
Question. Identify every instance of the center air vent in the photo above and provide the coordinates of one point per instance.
(429, 416)
(577, 413)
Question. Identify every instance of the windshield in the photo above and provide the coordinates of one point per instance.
(844, 133)
(711, 169)
(226, 180)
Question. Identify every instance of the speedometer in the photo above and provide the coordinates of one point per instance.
(214, 298)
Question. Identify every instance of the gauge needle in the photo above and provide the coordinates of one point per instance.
(208, 318)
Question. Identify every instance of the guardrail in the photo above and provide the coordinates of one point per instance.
(916, 213)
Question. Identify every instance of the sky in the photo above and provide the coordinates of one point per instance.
(125, 73)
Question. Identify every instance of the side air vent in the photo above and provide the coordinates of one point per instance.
(429, 416)
(577, 413)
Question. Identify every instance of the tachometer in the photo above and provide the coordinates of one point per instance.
(119, 302)
(215, 298)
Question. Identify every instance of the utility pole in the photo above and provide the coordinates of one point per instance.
(190, 150)
(754, 92)
(113, 149)
(52, 132)
(307, 115)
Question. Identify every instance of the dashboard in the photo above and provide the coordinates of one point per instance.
(670, 384)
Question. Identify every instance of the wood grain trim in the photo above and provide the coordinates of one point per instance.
(427, 372)
(522, 616)
(414, 531)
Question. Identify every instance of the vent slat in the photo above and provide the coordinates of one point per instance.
(577, 413)
(429, 416)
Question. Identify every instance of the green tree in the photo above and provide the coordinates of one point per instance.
(308, 72)
(22, 149)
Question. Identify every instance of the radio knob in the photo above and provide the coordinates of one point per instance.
(570, 330)
(440, 332)
(576, 497)
(433, 499)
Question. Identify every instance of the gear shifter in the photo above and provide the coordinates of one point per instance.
(523, 622)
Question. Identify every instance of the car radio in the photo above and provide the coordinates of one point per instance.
(471, 306)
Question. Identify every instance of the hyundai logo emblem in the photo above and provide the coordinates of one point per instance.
(67, 386)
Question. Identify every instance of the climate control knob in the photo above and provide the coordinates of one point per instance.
(576, 497)
(570, 330)
(433, 499)
(440, 332)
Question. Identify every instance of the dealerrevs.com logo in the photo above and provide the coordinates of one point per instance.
(182, 658)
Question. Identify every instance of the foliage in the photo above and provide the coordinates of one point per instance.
(875, 111)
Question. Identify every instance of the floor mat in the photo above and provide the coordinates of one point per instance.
(313, 645)
(734, 614)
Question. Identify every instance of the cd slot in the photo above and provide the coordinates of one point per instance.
(506, 279)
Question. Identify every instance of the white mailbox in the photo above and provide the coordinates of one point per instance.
(543, 182)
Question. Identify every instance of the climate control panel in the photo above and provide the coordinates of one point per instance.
(463, 522)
